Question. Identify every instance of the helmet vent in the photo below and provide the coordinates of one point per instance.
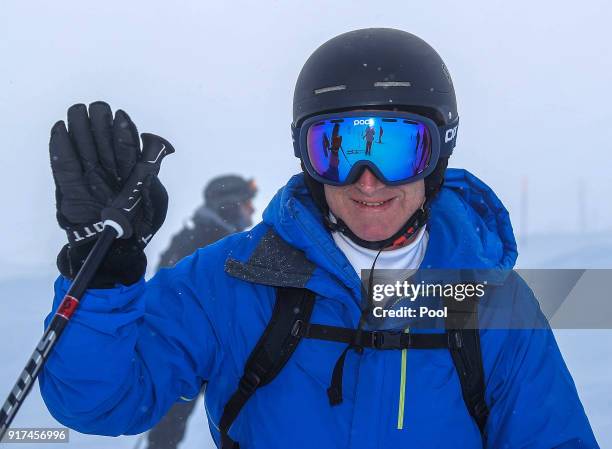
(329, 89)
(392, 84)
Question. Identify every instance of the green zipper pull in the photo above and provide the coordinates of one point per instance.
(402, 391)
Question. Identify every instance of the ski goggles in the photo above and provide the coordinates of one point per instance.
(398, 147)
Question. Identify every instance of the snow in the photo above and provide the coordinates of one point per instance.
(26, 300)
(559, 250)
(586, 352)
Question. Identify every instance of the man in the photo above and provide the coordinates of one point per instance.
(333, 152)
(273, 319)
(227, 209)
(369, 138)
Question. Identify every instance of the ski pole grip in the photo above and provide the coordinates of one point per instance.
(119, 214)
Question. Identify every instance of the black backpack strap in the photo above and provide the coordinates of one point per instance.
(293, 308)
(358, 339)
(462, 339)
(464, 346)
(384, 339)
(290, 322)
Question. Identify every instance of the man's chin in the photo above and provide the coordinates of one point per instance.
(372, 235)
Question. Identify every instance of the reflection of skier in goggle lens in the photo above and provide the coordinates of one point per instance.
(351, 90)
(410, 151)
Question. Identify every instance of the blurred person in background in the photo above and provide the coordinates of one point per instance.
(227, 209)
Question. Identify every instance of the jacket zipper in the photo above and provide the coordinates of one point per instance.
(402, 390)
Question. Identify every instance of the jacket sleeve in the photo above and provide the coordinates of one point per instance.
(532, 397)
(130, 352)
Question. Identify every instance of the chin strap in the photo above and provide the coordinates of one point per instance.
(405, 233)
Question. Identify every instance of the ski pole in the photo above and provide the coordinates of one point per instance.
(117, 224)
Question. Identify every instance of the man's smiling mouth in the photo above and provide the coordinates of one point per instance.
(372, 204)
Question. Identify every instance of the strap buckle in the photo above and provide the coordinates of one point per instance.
(387, 339)
(296, 330)
(455, 341)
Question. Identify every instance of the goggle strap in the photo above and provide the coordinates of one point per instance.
(448, 137)
(295, 138)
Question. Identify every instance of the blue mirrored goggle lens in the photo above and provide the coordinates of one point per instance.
(400, 148)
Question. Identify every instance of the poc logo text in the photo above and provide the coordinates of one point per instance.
(450, 134)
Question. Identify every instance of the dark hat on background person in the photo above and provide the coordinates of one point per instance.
(228, 190)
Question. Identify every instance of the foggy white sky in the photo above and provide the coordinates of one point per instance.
(216, 79)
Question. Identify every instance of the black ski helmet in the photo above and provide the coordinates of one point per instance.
(376, 68)
(379, 67)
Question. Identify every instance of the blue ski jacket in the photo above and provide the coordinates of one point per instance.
(132, 351)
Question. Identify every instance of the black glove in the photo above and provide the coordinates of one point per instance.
(91, 162)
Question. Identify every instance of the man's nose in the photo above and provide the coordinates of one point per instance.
(368, 182)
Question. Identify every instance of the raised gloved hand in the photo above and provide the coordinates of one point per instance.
(91, 162)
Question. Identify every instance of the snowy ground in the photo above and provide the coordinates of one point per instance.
(25, 301)
(587, 352)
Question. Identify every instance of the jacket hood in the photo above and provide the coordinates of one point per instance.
(469, 227)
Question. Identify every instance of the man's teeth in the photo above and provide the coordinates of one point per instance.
(366, 203)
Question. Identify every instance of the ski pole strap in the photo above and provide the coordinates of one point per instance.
(274, 348)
